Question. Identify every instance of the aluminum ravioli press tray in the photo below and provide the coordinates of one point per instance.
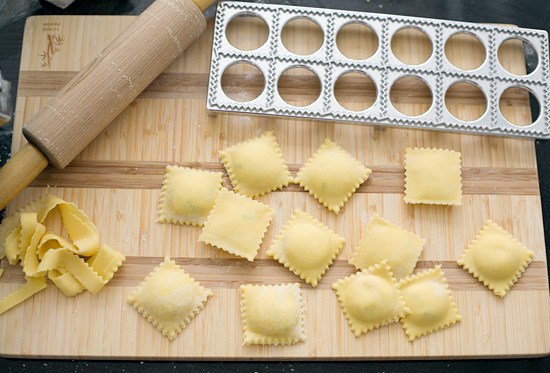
(328, 63)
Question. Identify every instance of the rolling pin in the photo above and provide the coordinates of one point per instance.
(88, 103)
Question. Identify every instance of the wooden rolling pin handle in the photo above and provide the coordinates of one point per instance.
(19, 171)
(89, 102)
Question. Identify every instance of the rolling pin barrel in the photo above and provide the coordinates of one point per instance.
(97, 94)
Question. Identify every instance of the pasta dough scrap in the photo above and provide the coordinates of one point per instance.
(188, 195)
(384, 241)
(31, 287)
(51, 241)
(12, 245)
(332, 175)
(31, 233)
(237, 224)
(106, 262)
(65, 281)
(429, 299)
(256, 166)
(496, 258)
(306, 247)
(11, 224)
(1, 272)
(67, 270)
(370, 298)
(79, 227)
(432, 176)
(28, 225)
(169, 298)
(24, 238)
(272, 314)
(75, 265)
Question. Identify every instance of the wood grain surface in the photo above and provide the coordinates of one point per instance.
(116, 180)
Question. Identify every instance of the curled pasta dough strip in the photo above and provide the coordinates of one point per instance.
(28, 226)
(51, 241)
(63, 279)
(49, 203)
(33, 286)
(106, 262)
(11, 223)
(31, 233)
(63, 258)
(81, 230)
(12, 245)
(65, 282)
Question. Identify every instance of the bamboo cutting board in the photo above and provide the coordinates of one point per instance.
(116, 180)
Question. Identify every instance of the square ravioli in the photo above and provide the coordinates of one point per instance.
(272, 314)
(237, 224)
(370, 298)
(306, 247)
(256, 166)
(385, 241)
(429, 299)
(332, 175)
(432, 176)
(188, 195)
(169, 298)
(496, 258)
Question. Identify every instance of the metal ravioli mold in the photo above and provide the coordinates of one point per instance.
(328, 63)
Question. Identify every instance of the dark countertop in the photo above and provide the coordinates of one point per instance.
(531, 14)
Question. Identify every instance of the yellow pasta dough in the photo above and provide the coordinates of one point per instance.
(385, 241)
(106, 262)
(31, 233)
(10, 229)
(51, 241)
(272, 314)
(332, 175)
(11, 244)
(65, 281)
(429, 299)
(79, 227)
(31, 287)
(306, 247)
(24, 238)
(256, 166)
(75, 265)
(432, 176)
(237, 224)
(496, 258)
(169, 298)
(370, 298)
(188, 195)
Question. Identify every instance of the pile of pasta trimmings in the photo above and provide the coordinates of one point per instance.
(25, 239)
